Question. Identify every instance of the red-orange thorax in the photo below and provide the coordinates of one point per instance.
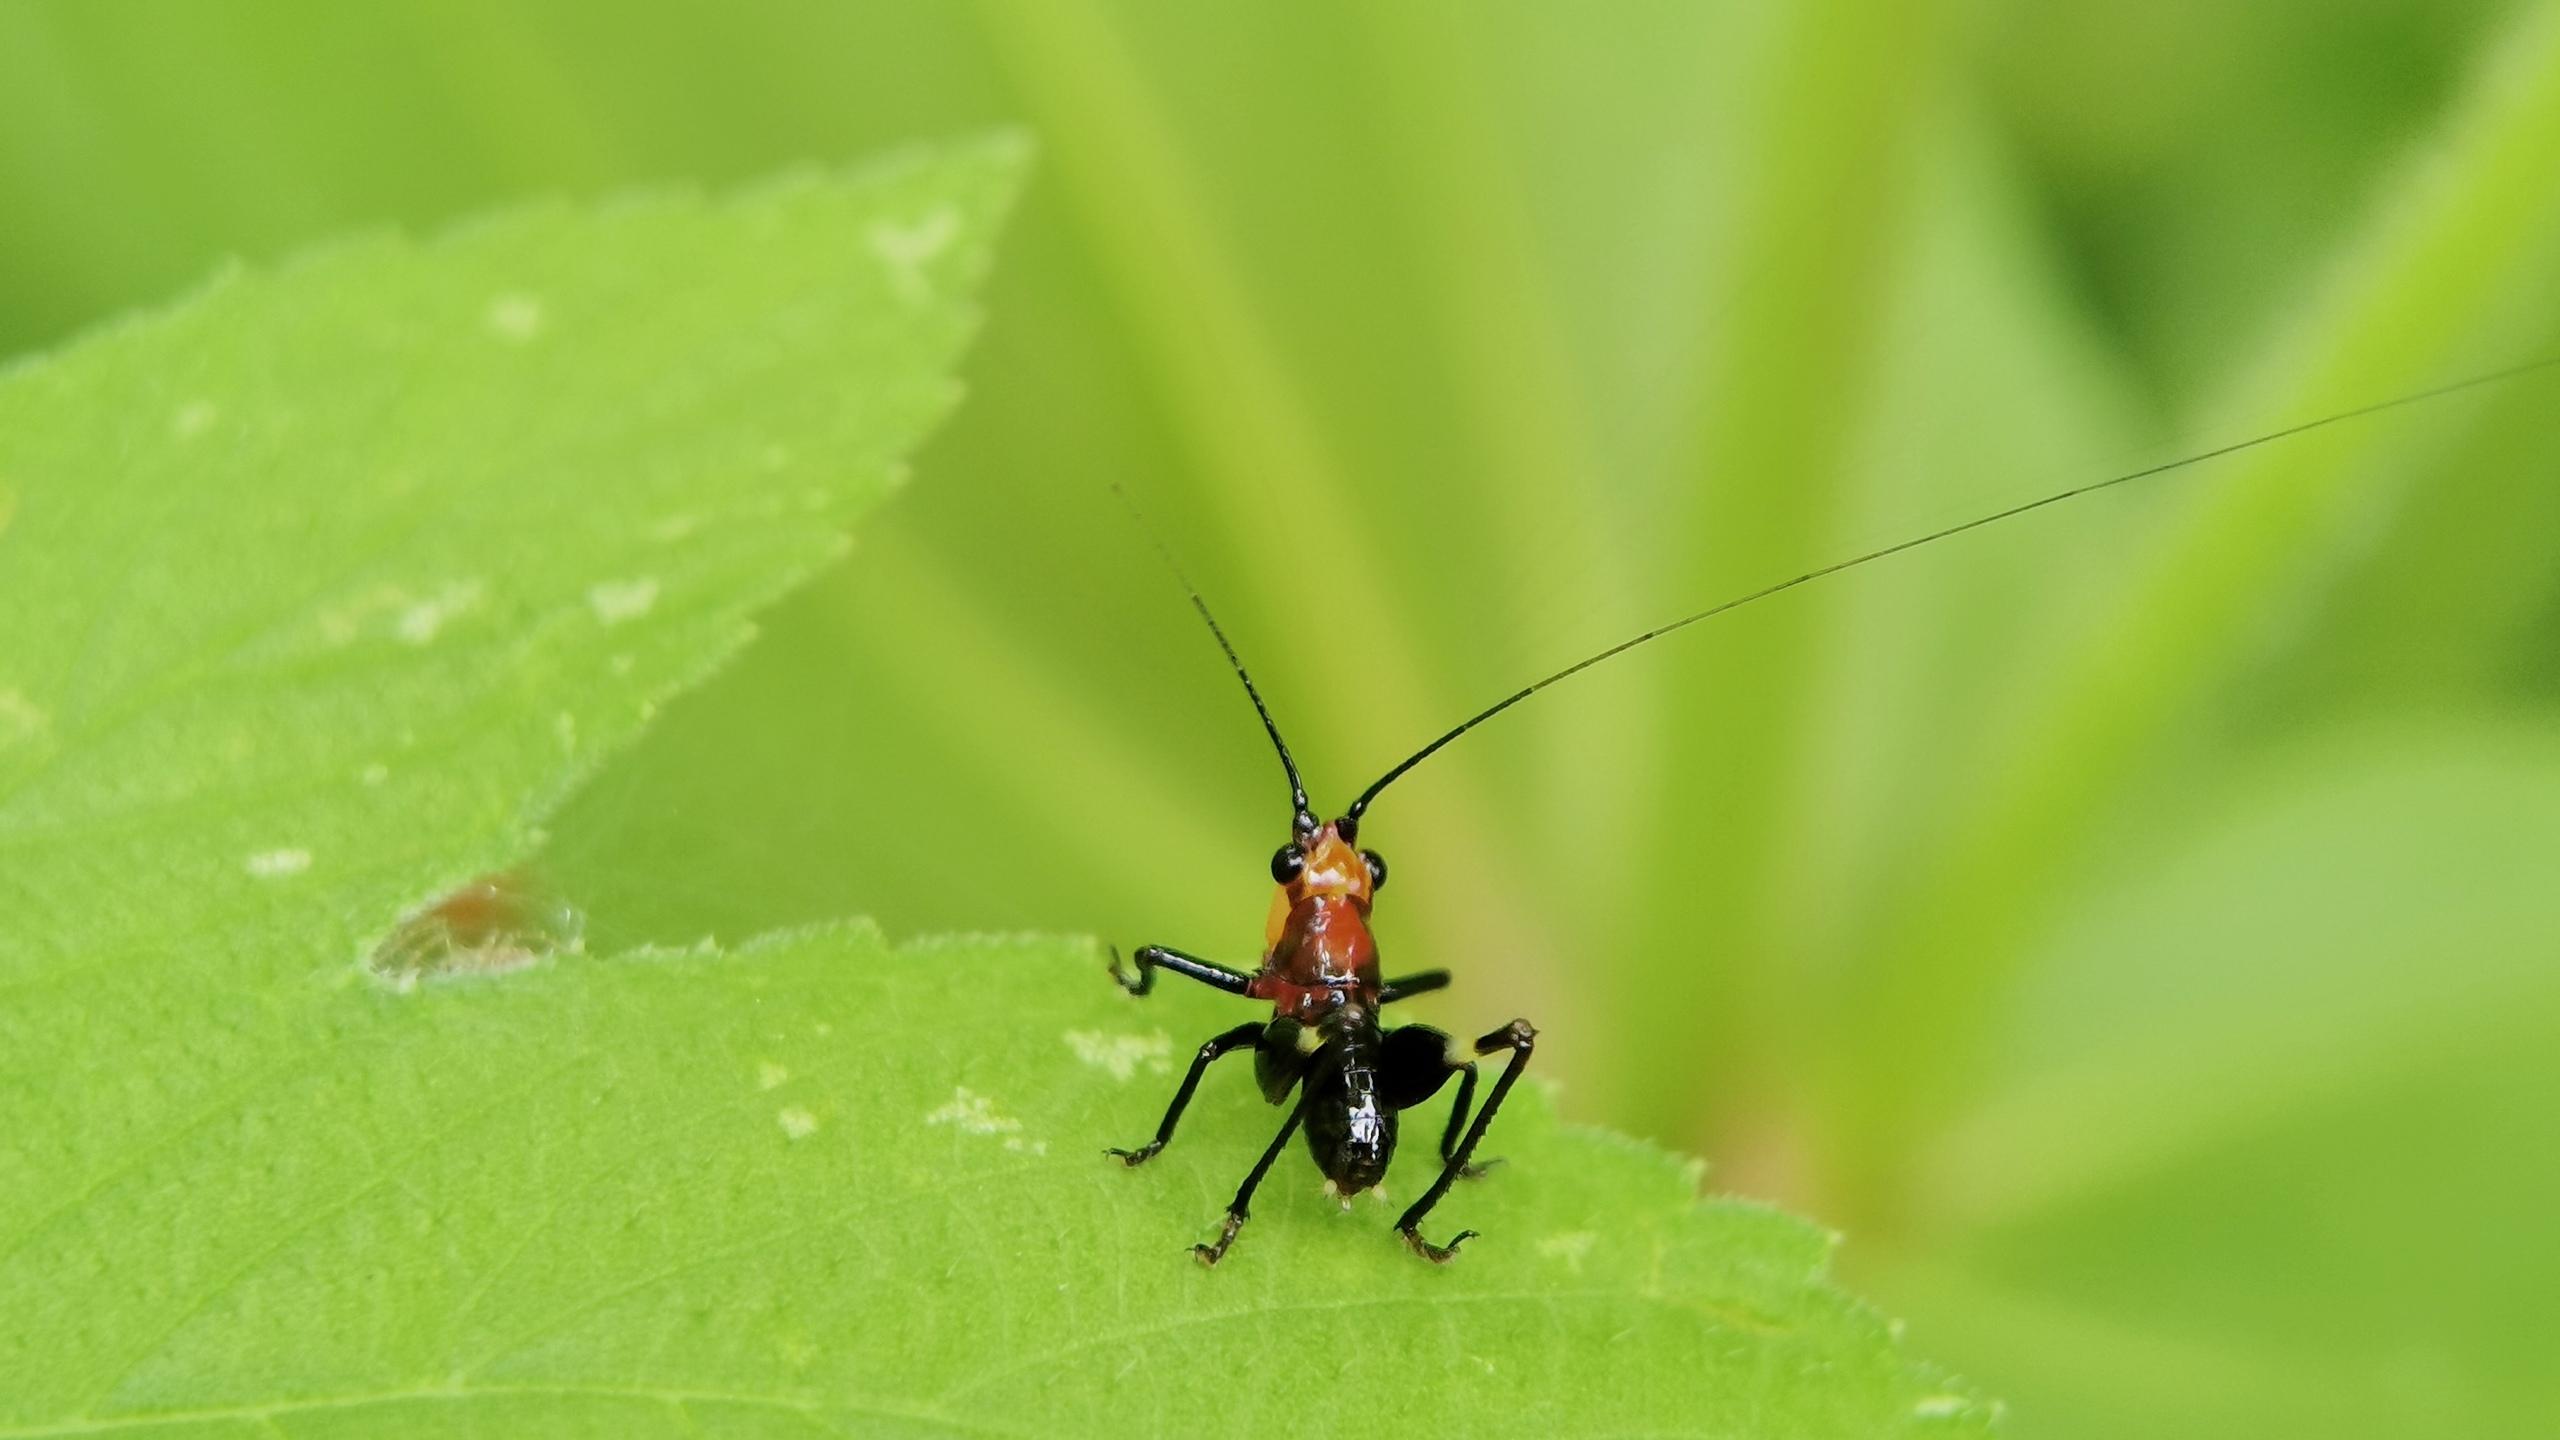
(1319, 953)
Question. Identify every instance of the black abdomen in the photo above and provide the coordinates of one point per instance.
(1350, 1129)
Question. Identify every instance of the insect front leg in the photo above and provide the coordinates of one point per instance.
(1152, 958)
(1218, 1045)
(1405, 987)
(1518, 1037)
(1237, 1211)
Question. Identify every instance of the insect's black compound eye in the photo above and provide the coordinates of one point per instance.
(1377, 864)
(1287, 864)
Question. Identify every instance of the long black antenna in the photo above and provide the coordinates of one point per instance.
(1302, 818)
(1524, 692)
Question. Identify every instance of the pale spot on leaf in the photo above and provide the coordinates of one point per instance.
(1121, 1055)
(515, 317)
(796, 1123)
(616, 601)
(908, 249)
(1570, 1247)
(770, 1076)
(420, 622)
(21, 719)
(411, 616)
(974, 1114)
(278, 864)
(194, 418)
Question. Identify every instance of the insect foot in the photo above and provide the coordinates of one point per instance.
(1135, 1158)
(1138, 984)
(1212, 1254)
(1436, 1254)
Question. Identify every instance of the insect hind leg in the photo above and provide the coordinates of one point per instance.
(1518, 1037)
(1418, 1061)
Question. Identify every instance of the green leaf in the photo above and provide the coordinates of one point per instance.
(827, 1179)
(1420, 301)
(422, 531)
(322, 589)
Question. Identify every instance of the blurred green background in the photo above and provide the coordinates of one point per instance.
(2131, 926)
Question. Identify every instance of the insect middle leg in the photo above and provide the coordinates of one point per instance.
(1237, 1211)
(1152, 958)
(1518, 1037)
(1217, 1045)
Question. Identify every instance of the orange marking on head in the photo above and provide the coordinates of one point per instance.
(1334, 867)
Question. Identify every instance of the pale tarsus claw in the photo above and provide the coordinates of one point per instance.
(1212, 1254)
(1436, 1254)
(1138, 984)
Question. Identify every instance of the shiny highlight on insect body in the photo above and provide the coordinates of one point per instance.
(1325, 1040)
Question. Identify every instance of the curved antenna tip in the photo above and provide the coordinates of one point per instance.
(2415, 397)
(1302, 813)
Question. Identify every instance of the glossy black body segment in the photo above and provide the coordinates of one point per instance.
(1350, 1078)
(1351, 1129)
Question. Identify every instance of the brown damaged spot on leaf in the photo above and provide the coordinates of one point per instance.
(491, 925)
